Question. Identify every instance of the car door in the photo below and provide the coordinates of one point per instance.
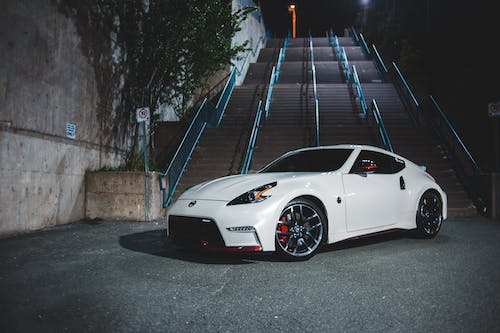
(374, 191)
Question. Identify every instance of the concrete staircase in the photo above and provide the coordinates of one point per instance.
(291, 121)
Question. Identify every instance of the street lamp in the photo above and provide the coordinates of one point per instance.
(291, 9)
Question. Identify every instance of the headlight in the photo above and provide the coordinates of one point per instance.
(253, 196)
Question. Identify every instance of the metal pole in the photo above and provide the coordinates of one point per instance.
(495, 196)
(496, 138)
(146, 167)
(291, 8)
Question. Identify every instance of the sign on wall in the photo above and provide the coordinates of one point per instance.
(142, 114)
(70, 131)
(494, 109)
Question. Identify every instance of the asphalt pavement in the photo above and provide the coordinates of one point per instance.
(119, 277)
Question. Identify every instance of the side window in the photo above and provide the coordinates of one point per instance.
(377, 163)
(397, 165)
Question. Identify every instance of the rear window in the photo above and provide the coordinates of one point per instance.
(322, 160)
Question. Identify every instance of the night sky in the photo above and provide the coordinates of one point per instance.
(458, 40)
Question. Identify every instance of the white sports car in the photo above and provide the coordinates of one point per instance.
(307, 198)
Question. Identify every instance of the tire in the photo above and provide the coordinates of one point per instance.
(301, 230)
(429, 214)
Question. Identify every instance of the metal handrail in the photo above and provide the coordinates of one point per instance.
(270, 92)
(386, 141)
(247, 162)
(181, 157)
(380, 62)
(456, 136)
(412, 104)
(221, 105)
(365, 46)
(407, 86)
(316, 106)
(278, 66)
(345, 63)
(215, 88)
(281, 58)
(354, 35)
(207, 114)
(335, 43)
(359, 92)
(315, 90)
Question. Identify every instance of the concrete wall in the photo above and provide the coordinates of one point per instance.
(254, 31)
(45, 83)
(121, 196)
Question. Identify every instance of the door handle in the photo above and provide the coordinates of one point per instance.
(402, 184)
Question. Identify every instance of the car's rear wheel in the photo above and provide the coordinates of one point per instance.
(301, 230)
(429, 214)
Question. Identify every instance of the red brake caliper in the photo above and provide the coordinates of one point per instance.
(283, 228)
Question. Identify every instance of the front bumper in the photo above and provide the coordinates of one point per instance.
(211, 224)
(203, 233)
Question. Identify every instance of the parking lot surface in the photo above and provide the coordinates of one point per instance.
(119, 277)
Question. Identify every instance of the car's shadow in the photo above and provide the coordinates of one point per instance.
(151, 242)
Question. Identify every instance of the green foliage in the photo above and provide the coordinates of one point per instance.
(149, 52)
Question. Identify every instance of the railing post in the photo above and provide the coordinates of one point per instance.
(316, 104)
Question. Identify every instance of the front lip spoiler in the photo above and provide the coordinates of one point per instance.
(204, 244)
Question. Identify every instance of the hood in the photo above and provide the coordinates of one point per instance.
(228, 188)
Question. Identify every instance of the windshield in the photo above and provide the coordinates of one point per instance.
(321, 160)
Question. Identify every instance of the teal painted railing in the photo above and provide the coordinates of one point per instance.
(281, 58)
(359, 92)
(345, 64)
(364, 45)
(475, 180)
(456, 144)
(247, 162)
(382, 131)
(218, 112)
(354, 33)
(335, 42)
(315, 90)
(278, 66)
(380, 63)
(207, 114)
(406, 94)
(273, 79)
(270, 92)
(342, 56)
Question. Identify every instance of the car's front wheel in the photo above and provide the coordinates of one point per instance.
(301, 230)
(429, 214)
